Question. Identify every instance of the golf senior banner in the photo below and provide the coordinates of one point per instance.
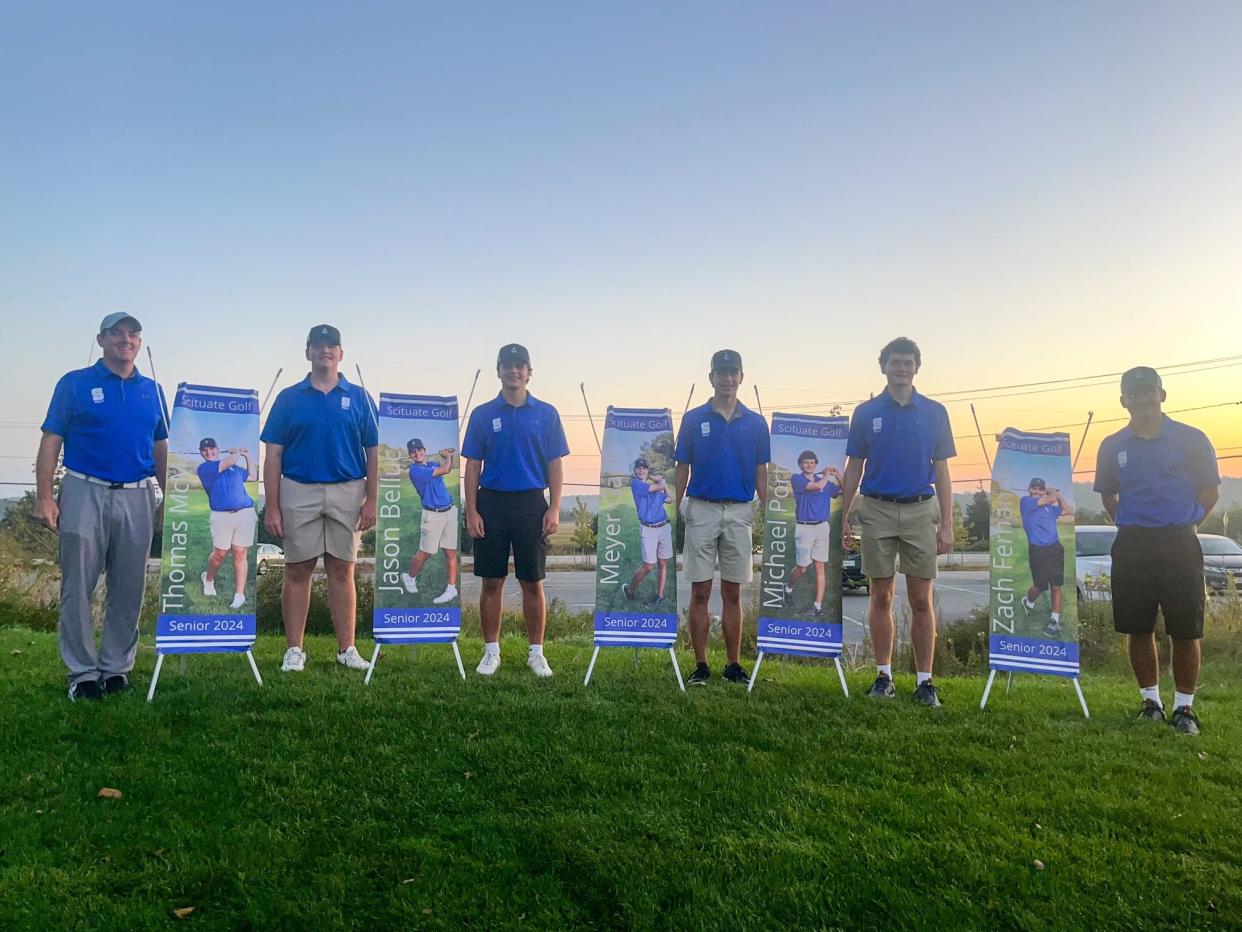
(800, 594)
(207, 570)
(1034, 605)
(636, 571)
(418, 526)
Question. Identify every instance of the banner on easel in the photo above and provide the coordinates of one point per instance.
(418, 526)
(1034, 614)
(636, 572)
(207, 570)
(800, 594)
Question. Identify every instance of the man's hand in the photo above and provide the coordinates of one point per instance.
(474, 525)
(366, 517)
(848, 540)
(272, 521)
(47, 513)
(944, 540)
(551, 521)
(446, 453)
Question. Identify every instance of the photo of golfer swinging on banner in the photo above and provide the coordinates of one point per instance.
(651, 497)
(813, 495)
(440, 527)
(224, 475)
(1040, 508)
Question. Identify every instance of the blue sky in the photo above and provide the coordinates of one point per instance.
(1032, 191)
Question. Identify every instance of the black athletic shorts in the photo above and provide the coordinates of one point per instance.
(1158, 568)
(511, 521)
(1047, 565)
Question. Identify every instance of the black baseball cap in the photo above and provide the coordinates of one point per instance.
(115, 318)
(1037, 483)
(207, 442)
(726, 359)
(1140, 376)
(414, 444)
(640, 462)
(513, 353)
(324, 333)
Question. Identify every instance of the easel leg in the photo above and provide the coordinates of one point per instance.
(155, 677)
(1009, 683)
(987, 689)
(636, 658)
(676, 669)
(841, 675)
(754, 674)
(371, 668)
(254, 668)
(185, 663)
(591, 666)
(1082, 700)
(457, 656)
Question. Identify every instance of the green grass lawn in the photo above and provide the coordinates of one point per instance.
(422, 801)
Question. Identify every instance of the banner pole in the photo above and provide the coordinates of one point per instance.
(689, 398)
(841, 675)
(155, 677)
(366, 680)
(271, 388)
(757, 401)
(754, 674)
(457, 657)
(590, 417)
(987, 689)
(254, 668)
(591, 666)
(91, 355)
(672, 654)
(982, 446)
(1081, 443)
(470, 397)
(1082, 700)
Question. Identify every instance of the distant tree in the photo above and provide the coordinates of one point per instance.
(978, 518)
(21, 528)
(960, 536)
(584, 526)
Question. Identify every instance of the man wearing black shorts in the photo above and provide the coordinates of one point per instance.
(1040, 508)
(513, 449)
(1158, 479)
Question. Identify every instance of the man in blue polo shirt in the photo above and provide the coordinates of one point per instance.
(438, 528)
(650, 493)
(723, 449)
(904, 441)
(232, 514)
(1040, 508)
(513, 449)
(1158, 479)
(813, 495)
(110, 420)
(321, 478)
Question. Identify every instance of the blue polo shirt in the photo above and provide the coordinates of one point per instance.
(226, 489)
(432, 491)
(1039, 521)
(515, 443)
(325, 435)
(1157, 480)
(900, 443)
(650, 504)
(813, 506)
(110, 425)
(723, 455)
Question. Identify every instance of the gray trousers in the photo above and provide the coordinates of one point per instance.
(102, 529)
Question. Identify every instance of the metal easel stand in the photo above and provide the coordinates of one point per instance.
(159, 665)
(1082, 700)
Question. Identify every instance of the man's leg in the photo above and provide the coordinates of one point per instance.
(639, 575)
(83, 544)
(295, 593)
(1145, 661)
(417, 561)
(922, 623)
(1185, 665)
(880, 618)
(491, 597)
(129, 545)
(534, 609)
(731, 619)
(798, 572)
(214, 562)
(240, 568)
(663, 578)
(342, 598)
(821, 580)
(700, 592)
(450, 566)
(1056, 600)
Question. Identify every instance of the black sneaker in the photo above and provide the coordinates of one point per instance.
(735, 674)
(86, 689)
(702, 673)
(927, 695)
(1151, 711)
(628, 592)
(1053, 629)
(653, 602)
(117, 683)
(1185, 720)
(882, 688)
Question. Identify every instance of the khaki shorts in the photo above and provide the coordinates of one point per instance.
(812, 542)
(439, 529)
(232, 528)
(321, 517)
(657, 542)
(718, 534)
(890, 531)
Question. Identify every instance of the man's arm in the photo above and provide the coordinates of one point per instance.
(1207, 497)
(1109, 501)
(46, 510)
(1062, 503)
(849, 488)
(761, 483)
(470, 491)
(366, 517)
(446, 464)
(271, 489)
(683, 480)
(944, 495)
(556, 482)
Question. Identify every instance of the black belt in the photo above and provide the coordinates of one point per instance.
(896, 499)
(438, 511)
(721, 501)
(812, 522)
(232, 511)
(661, 524)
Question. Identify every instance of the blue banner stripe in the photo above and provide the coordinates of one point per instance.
(621, 640)
(1028, 666)
(390, 638)
(816, 646)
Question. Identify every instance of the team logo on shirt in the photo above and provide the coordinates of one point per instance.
(345, 403)
(1121, 458)
(705, 429)
(97, 395)
(876, 424)
(495, 425)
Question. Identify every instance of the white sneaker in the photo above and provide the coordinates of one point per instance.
(488, 665)
(238, 601)
(209, 587)
(410, 583)
(538, 664)
(295, 660)
(350, 657)
(448, 595)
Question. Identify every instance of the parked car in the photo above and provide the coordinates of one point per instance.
(269, 556)
(1222, 563)
(1093, 561)
(851, 571)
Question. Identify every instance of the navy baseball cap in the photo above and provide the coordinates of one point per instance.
(513, 354)
(413, 445)
(207, 442)
(115, 318)
(1037, 483)
(640, 462)
(726, 359)
(324, 333)
(1141, 376)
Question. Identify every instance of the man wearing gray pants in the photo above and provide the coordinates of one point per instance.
(109, 419)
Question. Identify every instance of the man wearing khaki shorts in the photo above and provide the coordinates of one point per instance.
(723, 449)
(905, 442)
(321, 475)
(232, 514)
(439, 526)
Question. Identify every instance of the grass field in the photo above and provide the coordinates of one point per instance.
(422, 801)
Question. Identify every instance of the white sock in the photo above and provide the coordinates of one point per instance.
(788, 588)
(1056, 617)
(1183, 699)
(818, 607)
(536, 650)
(885, 668)
(1152, 693)
(1027, 602)
(491, 649)
(921, 678)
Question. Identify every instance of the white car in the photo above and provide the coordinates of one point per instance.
(269, 556)
(1093, 561)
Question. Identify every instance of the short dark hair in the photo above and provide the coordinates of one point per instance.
(807, 455)
(903, 345)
